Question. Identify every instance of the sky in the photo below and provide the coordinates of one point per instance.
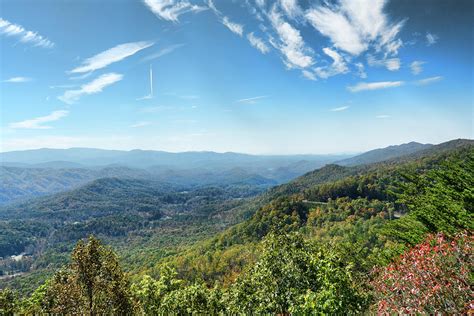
(251, 76)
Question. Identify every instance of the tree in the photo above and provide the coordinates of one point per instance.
(169, 295)
(93, 283)
(293, 275)
(442, 200)
(9, 302)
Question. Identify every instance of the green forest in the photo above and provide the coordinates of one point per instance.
(391, 237)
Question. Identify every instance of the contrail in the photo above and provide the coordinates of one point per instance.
(149, 96)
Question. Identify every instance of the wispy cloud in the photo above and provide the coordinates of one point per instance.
(17, 80)
(36, 123)
(361, 70)
(309, 75)
(353, 26)
(416, 67)
(339, 109)
(427, 81)
(63, 86)
(14, 30)
(431, 39)
(234, 27)
(170, 10)
(364, 86)
(163, 52)
(291, 8)
(382, 116)
(258, 43)
(140, 124)
(110, 56)
(291, 44)
(146, 97)
(252, 100)
(95, 86)
(392, 64)
(338, 65)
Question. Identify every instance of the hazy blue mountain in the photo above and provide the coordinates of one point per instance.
(32, 173)
(383, 154)
(148, 158)
(24, 183)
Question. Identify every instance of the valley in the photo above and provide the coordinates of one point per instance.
(212, 232)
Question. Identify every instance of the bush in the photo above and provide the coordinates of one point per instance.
(431, 278)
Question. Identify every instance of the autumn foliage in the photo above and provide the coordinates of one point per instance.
(432, 277)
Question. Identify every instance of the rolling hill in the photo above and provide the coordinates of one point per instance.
(383, 154)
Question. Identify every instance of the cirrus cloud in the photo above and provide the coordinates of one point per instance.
(170, 10)
(14, 30)
(365, 86)
(17, 80)
(95, 86)
(110, 56)
(37, 123)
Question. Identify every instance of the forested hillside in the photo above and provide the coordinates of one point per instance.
(338, 240)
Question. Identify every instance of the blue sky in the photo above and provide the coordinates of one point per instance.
(255, 76)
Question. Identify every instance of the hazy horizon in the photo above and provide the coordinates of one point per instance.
(226, 152)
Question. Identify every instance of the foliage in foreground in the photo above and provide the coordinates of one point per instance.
(292, 275)
(92, 284)
(431, 278)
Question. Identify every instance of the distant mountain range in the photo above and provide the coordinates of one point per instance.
(33, 173)
(382, 154)
(90, 157)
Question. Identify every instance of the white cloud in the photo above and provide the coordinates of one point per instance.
(338, 28)
(17, 80)
(430, 80)
(382, 116)
(338, 66)
(252, 100)
(291, 8)
(309, 75)
(258, 43)
(431, 39)
(95, 86)
(163, 52)
(110, 56)
(140, 124)
(260, 3)
(234, 27)
(339, 109)
(170, 10)
(354, 25)
(416, 67)
(30, 37)
(361, 70)
(291, 44)
(363, 86)
(392, 64)
(36, 123)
